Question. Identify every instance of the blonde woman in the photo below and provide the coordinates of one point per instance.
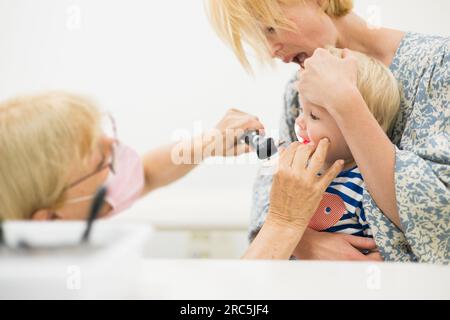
(57, 149)
(407, 171)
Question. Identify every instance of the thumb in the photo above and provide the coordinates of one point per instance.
(331, 174)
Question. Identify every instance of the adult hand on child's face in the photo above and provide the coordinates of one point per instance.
(328, 81)
(335, 247)
(297, 189)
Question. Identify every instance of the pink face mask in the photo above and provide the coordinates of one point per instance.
(126, 184)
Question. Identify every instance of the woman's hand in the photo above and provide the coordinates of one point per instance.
(335, 247)
(297, 189)
(167, 164)
(223, 140)
(296, 193)
(329, 81)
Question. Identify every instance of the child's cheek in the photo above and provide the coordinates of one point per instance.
(315, 135)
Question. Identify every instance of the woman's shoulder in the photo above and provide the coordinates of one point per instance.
(422, 67)
(420, 51)
(414, 42)
(414, 38)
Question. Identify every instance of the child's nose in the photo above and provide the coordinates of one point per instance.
(301, 122)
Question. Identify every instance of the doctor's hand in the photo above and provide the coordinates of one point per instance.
(297, 190)
(224, 139)
(296, 194)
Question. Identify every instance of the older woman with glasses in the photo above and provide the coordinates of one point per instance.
(58, 149)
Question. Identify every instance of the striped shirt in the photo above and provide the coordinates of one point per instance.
(349, 186)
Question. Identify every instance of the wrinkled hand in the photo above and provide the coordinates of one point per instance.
(228, 131)
(328, 81)
(335, 247)
(297, 190)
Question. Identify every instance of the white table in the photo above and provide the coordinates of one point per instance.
(224, 279)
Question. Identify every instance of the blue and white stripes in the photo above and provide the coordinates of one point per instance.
(348, 185)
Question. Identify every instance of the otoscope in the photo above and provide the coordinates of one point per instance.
(265, 147)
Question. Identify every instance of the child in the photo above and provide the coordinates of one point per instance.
(341, 209)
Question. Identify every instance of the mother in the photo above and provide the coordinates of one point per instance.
(407, 174)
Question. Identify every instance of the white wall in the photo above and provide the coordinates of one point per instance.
(159, 67)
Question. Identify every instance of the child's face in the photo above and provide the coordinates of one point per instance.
(315, 124)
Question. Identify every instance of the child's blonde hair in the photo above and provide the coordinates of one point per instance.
(42, 139)
(378, 87)
(238, 21)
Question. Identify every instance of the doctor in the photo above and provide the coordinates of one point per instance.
(57, 149)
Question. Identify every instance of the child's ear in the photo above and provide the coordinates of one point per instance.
(44, 215)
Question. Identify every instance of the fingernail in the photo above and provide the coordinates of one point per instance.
(326, 140)
(341, 162)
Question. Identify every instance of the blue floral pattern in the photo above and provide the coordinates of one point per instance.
(422, 173)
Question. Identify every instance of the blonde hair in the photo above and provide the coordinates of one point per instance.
(239, 21)
(378, 87)
(42, 139)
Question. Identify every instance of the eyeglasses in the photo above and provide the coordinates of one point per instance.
(109, 128)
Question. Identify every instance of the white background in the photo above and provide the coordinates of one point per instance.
(158, 66)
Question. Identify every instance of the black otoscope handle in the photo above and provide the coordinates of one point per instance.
(265, 147)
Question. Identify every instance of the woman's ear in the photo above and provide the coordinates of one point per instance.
(106, 141)
(44, 215)
(106, 144)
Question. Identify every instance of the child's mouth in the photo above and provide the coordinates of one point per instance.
(300, 138)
